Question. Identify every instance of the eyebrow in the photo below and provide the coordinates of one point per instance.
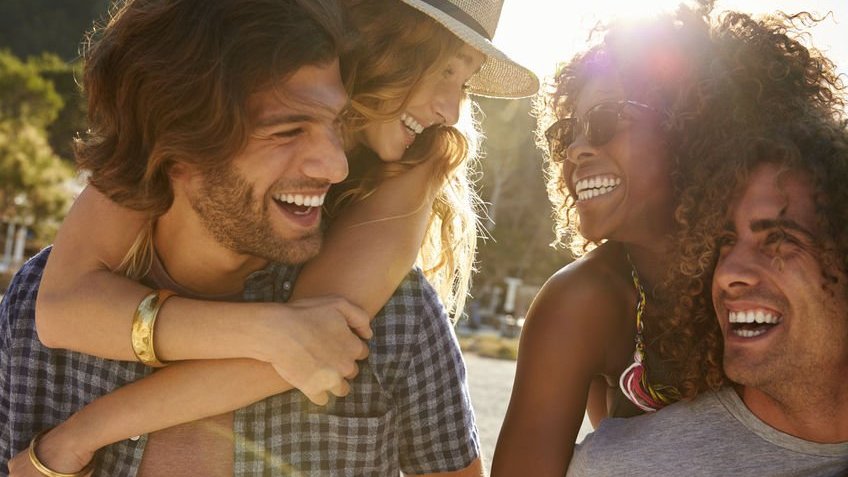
(278, 119)
(781, 223)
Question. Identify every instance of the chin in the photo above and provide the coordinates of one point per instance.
(389, 154)
(592, 233)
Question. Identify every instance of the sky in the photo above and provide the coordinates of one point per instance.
(540, 33)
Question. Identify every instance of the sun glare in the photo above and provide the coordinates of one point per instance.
(542, 33)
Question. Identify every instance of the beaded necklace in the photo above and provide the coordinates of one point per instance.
(634, 380)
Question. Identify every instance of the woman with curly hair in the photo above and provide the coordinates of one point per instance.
(615, 333)
(408, 78)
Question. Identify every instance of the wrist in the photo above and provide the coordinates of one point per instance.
(260, 336)
(64, 450)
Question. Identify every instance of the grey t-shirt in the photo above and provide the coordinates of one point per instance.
(712, 435)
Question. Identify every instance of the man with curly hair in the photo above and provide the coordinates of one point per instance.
(780, 295)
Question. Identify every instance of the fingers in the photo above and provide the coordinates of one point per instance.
(342, 389)
(357, 319)
(352, 374)
(319, 398)
(363, 352)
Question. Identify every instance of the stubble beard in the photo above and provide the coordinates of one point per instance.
(227, 209)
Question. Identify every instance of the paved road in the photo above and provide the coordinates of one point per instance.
(490, 381)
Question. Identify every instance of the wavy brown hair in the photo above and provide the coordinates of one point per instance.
(168, 81)
(399, 48)
(726, 85)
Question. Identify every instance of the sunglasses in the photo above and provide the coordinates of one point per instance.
(599, 125)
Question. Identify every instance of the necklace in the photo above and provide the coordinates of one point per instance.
(634, 380)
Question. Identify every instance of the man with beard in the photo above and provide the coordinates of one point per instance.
(780, 293)
(227, 133)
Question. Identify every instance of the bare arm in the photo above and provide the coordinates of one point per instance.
(563, 347)
(83, 307)
(385, 249)
(385, 230)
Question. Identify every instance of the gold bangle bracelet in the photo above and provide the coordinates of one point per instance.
(46, 471)
(143, 325)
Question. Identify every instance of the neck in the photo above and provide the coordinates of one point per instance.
(649, 260)
(194, 259)
(809, 412)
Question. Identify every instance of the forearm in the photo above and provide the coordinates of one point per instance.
(373, 243)
(97, 319)
(180, 393)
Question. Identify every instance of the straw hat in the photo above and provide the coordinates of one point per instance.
(475, 21)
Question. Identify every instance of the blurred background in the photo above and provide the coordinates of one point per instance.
(41, 109)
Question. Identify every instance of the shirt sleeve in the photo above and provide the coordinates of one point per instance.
(579, 465)
(5, 384)
(436, 431)
(17, 317)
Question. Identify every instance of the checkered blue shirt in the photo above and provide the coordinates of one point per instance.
(408, 410)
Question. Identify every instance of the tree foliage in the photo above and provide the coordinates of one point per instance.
(519, 213)
(34, 180)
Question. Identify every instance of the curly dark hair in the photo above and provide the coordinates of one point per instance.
(769, 99)
(731, 89)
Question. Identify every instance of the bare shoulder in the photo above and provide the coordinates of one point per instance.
(99, 228)
(586, 302)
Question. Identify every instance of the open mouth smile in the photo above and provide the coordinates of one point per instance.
(595, 186)
(413, 127)
(752, 323)
(299, 204)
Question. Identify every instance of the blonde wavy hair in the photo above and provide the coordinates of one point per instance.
(399, 49)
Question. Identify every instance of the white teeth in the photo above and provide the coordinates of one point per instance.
(301, 199)
(411, 123)
(749, 333)
(592, 187)
(751, 316)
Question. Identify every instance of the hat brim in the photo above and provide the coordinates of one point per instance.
(500, 76)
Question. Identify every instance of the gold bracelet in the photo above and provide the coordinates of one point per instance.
(46, 471)
(143, 325)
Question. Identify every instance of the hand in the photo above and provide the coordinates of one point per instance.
(314, 345)
(54, 451)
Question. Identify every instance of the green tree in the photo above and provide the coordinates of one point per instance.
(513, 186)
(35, 183)
(36, 186)
(25, 94)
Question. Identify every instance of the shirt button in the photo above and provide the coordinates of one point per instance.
(135, 438)
(286, 286)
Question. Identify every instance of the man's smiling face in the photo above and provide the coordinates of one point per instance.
(781, 318)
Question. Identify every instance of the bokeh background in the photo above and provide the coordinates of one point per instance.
(41, 109)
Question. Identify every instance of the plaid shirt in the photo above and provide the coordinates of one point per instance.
(408, 410)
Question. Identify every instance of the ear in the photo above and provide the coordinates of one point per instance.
(182, 176)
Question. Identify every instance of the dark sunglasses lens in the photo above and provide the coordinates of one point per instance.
(603, 123)
(560, 136)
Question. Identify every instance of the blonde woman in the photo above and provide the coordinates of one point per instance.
(408, 80)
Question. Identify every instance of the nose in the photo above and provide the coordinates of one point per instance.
(736, 268)
(446, 103)
(579, 150)
(326, 158)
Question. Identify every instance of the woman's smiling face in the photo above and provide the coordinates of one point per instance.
(434, 102)
(622, 187)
